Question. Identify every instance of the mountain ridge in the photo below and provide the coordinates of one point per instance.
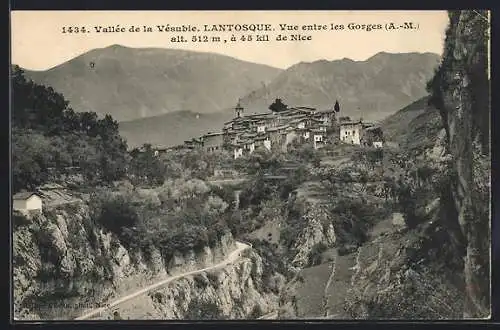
(164, 96)
(132, 83)
(373, 88)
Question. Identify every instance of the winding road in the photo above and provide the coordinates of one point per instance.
(232, 257)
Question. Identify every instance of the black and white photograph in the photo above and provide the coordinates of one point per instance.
(250, 165)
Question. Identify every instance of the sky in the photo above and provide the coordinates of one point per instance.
(37, 41)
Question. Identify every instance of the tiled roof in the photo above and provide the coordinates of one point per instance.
(213, 134)
(248, 134)
(24, 195)
(326, 111)
(305, 108)
(350, 123)
(279, 128)
(298, 120)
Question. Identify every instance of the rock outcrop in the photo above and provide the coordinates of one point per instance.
(318, 228)
(461, 91)
(65, 264)
(234, 292)
(439, 269)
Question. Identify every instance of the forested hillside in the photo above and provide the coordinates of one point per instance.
(48, 134)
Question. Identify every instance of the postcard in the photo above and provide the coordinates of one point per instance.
(250, 165)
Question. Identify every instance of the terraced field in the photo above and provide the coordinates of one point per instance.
(313, 192)
(339, 287)
(310, 293)
(270, 232)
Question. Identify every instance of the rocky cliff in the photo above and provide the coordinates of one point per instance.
(65, 264)
(318, 229)
(233, 292)
(461, 91)
(440, 267)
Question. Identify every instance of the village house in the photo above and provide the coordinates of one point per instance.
(299, 123)
(351, 131)
(27, 201)
(318, 138)
(237, 150)
(229, 136)
(303, 134)
(373, 136)
(275, 134)
(275, 130)
(326, 116)
(249, 146)
(366, 134)
(212, 141)
(262, 142)
(161, 150)
(261, 127)
(194, 143)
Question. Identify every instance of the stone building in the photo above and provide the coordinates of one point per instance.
(27, 201)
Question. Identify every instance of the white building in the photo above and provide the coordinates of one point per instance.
(27, 201)
(318, 140)
(250, 146)
(350, 132)
(267, 144)
(378, 144)
(238, 151)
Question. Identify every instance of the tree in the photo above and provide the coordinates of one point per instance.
(374, 156)
(203, 310)
(115, 213)
(40, 114)
(145, 167)
(31, 158)
(336, 107)
(315, 254)
(278, 106)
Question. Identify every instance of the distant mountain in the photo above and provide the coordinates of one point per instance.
(372, 89)
(172, 128)
(132, 83)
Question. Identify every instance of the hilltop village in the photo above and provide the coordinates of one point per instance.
(278, 129)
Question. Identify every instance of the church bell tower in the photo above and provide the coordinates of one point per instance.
(238, 110)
